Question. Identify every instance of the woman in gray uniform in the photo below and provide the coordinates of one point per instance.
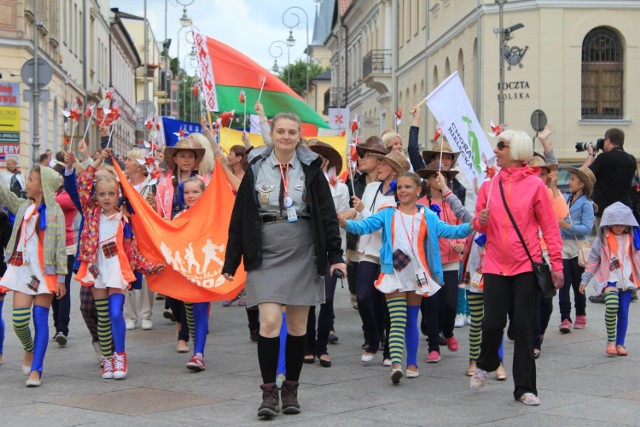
(285, 230)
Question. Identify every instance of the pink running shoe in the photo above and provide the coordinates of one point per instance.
(565, 326)
(581, 322)
(433, 357)
(452, 343)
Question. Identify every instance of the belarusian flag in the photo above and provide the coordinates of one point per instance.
(225, 72)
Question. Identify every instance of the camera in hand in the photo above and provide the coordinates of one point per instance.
(583, 146)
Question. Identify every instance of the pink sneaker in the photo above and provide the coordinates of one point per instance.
(581, 322)
(433, 357)
(452, 343)
(565, 326)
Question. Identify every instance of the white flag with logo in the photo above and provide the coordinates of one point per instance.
(450, 104)
(206, 71)
(339, 118)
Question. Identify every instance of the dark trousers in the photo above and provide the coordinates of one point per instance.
(177, 308)
(572, 275)
(352, 276)
(430, 326)
(371, 304)
(448, 303)
(318, 346)
(61, 308)
(543, 314)
(253, 317)
(499, 292)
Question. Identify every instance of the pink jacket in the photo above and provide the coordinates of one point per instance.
(529, 204)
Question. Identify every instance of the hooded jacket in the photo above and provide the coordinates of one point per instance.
(55, 258)
(435, 229)
(528, 200)
(600, 256)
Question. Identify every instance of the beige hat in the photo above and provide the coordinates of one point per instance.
(397, 161)
(184, 144)
(537, 161)
(429, 155)
(586, 175)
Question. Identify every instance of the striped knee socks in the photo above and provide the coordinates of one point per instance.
(476, 310)
(188, 313)
(398, 317)
(21, 319)
(104, 327)
(611, 302)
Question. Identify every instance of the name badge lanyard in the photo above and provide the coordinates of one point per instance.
(416, 261)
(25, 239)
(284, 173)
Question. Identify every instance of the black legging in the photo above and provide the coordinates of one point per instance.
(177, 308)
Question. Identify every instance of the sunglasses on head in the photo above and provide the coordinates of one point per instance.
(501, 145)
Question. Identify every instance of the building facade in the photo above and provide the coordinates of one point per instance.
(573, 59)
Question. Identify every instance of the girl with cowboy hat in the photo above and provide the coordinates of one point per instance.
(575, 228)
(371, 305)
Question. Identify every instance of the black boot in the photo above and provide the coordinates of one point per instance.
(290, 403)
(270, 401)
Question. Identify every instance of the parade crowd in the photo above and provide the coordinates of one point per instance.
(423, 249)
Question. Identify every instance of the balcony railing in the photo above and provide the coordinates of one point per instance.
(377, 61)
(337, 97)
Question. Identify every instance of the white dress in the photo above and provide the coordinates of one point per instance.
(408, 227)
(27, 278)
(107, 265)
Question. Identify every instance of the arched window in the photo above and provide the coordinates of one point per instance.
(602, 73)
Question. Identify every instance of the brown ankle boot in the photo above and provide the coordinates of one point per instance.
(290, 405)
(270, 401)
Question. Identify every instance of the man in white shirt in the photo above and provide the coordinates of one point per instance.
(12, 179)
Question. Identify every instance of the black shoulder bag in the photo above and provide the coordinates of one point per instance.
(541, 270)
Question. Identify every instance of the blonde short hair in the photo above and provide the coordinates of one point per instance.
(387, 136)
(520, 144)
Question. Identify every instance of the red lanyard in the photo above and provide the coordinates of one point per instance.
(413, 223)
(285, 181)
(33, 215)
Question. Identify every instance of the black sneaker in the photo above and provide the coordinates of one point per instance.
(333, 338)
(61, 339)
(253, 335)
(598, 299)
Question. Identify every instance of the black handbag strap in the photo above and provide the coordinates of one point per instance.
(513, 221)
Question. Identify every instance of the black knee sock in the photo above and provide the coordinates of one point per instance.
(268, 349)
(294, 356)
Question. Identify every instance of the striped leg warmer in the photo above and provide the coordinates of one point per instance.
(611, 302)
(398, 317)
(21, 319)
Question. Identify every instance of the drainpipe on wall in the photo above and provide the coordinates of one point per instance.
(425, 116)
(394, 78)
(346, 60)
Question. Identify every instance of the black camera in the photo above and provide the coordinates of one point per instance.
(597, 146)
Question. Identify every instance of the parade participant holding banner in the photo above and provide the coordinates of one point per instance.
(410, 264)
(518, 197)
(284, 227)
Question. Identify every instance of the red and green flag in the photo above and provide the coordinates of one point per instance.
(225, 72)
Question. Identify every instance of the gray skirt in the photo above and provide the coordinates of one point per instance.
(288, 274)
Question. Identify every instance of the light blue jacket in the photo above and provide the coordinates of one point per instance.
(435, 229)
(581, 220)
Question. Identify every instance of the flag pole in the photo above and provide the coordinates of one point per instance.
(86, 130)
(264, 80)
(244, 122)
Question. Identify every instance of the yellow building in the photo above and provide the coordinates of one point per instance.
(573, 59)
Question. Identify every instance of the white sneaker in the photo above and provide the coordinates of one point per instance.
(130, 325)
(467, 320)
(460, 320)
(146, 324)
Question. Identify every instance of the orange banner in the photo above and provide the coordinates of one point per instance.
(192, 246)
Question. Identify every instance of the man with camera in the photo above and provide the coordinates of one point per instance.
(614, 170)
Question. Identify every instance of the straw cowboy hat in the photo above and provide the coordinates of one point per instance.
(428, 155)
(585, 175)
(537, 161)
(433, 167)
(184, 144)
(328, 152)
(397, 161)
(372, 145)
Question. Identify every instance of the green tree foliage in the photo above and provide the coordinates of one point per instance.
(299, 74)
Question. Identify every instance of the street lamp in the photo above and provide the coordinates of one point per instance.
(278, 44)
(293, 12)
(505, 35)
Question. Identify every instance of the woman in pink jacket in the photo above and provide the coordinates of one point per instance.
(508, 273)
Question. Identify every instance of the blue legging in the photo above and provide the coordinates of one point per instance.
(41, 338)
(411, 335)
(118, 328)
(1, 328)
(623, 316)
(201, 320)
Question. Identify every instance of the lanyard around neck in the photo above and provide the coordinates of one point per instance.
(284, 174)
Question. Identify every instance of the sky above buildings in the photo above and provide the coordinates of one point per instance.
(249, 26)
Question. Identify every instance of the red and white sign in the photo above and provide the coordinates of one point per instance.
(339, 118)
(206, 71)
(8, 151)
